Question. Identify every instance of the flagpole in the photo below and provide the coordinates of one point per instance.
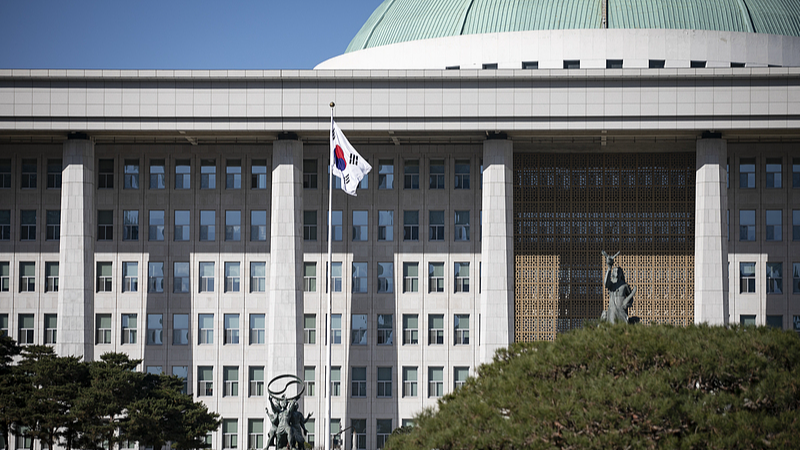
(327, 426)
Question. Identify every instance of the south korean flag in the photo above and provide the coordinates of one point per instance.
(346, 163)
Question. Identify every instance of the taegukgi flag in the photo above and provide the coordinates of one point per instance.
(346, 163)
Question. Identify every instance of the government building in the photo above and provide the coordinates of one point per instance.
(181, 217)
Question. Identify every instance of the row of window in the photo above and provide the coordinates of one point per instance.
(383, 381)
(411, 174)
(411, 224)
(773, 173)
(385, 277)
(773, 220)
(130, 277)
(255, 433)
(182, 225)
(385, 329)
(358, 380)
(232, 332)
(774, 278)
(130, 227)
(29, 169)
(358, 428)
(774, 321)
(157, 172)
(27, 225)
(233, 225)
(610, 64)
(206, 281)
(233, 174)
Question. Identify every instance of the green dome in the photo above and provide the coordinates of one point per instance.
(411, 20)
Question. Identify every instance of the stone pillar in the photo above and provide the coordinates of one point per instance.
(497, 249)
(285, 342)
(711, 246)
(76, 251)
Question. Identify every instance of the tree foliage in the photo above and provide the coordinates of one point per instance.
(89, 405)
(626, 387)
(10, 401)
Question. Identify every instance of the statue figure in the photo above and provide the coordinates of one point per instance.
(621, 295)
(274, 418)
(288, 424)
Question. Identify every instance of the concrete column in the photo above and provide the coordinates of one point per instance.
(497, 249)
(76, 251)
(711, 246)
(285, 342)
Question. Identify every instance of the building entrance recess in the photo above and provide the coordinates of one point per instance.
(570, 207)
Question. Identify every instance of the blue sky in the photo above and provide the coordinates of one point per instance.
(176, 34)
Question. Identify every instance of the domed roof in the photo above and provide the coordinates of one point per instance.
(410, 20)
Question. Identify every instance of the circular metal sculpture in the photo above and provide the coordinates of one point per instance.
(288, 424)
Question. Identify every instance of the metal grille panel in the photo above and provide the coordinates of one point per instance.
(569, 207)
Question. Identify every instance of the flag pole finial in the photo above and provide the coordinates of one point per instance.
(333, 104)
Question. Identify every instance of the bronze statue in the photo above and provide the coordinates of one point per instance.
(288, 424)
(620, 294)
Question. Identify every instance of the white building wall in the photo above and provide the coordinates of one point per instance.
(592, 47)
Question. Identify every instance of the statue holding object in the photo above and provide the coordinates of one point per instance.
(620, 294)
(288, 424)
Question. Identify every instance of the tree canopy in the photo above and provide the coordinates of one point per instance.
(625, 387)
(91, 405)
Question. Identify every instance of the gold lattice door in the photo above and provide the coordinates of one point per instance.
(569, 207)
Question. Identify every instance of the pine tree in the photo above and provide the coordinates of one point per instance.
(102, 408)
(10, 400)
(51, 386)
(166, 414)
(626, 387)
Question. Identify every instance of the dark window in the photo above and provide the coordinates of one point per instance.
(410, 225)
(490, 66)
(613, 64)
(697, 64)
(131, 169)
(310, 225)
(436, 226)
(411, 174)
(28, 174)
(233, 174)
(747, 173)
(462, 174)
(259, 174)
(774, 173)
(105, 170)
(5, 225)
(27, 225)
(452, 67)
(737, 64)
(5, 173)
(795, 173)
(53, 225)
(530, 64)
(572, 64)
(656, 64)
(208, 174)
(130, 225)
(385, 174)
(747, 225)
(54, 167)
(233, 225)
(105, 225)
(158, 175)
(183, 174)
(437, 174)
(309, 174)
